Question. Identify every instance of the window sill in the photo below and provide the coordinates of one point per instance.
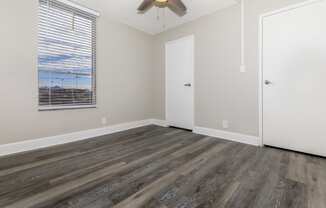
(56, 108)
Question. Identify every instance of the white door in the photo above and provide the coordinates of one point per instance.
(294, 79)
(179, 82)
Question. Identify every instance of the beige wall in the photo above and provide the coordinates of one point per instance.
(221, 91)
(130, 83)
(123, 77)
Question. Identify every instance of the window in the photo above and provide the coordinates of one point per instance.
(66, 56)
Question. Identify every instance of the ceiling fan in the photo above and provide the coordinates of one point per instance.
(177, 6)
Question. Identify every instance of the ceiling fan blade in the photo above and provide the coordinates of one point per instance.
(178, 7)
(145, 5)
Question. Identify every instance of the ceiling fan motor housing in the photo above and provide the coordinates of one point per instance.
(161, 3)
(176, 6)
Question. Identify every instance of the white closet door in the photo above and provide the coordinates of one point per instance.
(179, 82)
(294, 73)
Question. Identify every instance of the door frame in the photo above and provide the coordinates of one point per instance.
(261, 61)
(191, 37)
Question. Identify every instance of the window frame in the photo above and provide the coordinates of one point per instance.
(71, 6)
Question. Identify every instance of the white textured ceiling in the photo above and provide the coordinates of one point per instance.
(125, 11)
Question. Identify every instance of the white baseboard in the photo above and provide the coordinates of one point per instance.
(8, 149)
(236, 137)
(159, 122)
(34, 144)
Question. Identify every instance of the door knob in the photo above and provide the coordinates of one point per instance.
(267, 82)
(188, 85)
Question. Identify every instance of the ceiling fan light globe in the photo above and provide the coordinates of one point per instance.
(161, 1)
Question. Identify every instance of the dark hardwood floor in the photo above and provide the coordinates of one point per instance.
(155, 167)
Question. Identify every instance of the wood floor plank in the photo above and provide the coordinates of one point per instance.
(210, 190)
(252, 183)
(80, 152)
(7, 162)
(127, 157)
(125, 185)
(72, 163)
(84, 183)
(45, 183)
(157, 167)
(192, 185)
(192, 190)
(138, 199)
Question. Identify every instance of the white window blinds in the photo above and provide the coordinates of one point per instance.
(66, 56)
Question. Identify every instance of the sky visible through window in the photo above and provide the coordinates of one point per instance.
(65, 60)
(68, 78)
